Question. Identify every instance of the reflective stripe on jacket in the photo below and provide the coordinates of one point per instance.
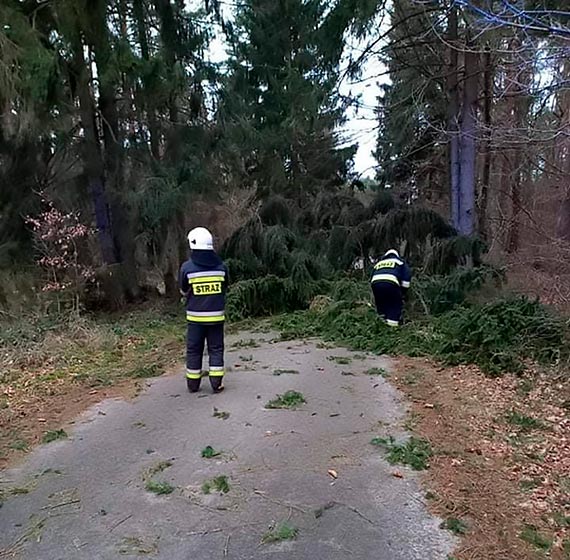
(204, 281)
(392, 269)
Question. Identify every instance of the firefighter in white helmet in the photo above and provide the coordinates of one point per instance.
(390, 280)
(203, 281)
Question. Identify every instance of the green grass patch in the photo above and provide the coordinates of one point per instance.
(455, 525)
(340, 360)
(283, 532)
(209, 452)
(91, 350)
(561, 519)
(146, 371)
(159, 488)
(415, 452)
(524, 422)
(377, 371)
(531, 535)
(54, 435)
(529, 484)
(219, 484)
(19, 445)
(159, 467)
(290, 399)
(221, 414)
(19, 490)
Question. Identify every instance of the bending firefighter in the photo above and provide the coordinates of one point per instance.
(203, 281)
(390, 282)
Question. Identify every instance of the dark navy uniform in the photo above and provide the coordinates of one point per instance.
(203, 278)
(390, 280)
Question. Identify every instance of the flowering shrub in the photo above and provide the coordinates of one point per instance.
(61, 240)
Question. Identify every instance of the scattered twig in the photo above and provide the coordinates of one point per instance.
(319, 512)
(204, 533)
(278, 502)
(120, 523)
(225, 553)
(62, 504)
(13, 548)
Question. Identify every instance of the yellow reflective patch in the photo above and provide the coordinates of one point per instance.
(207, 288)
(204, 319)
(386, 264)
(200, 279)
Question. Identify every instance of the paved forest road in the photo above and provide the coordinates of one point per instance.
(86, 496)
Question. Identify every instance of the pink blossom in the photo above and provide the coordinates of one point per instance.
(58, 237)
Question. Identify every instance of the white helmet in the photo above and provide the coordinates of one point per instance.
(392, 252)
(201, 239)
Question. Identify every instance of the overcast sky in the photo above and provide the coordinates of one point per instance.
(361, 127)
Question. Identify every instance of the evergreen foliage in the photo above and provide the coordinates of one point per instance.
(437, 294)
(329, 233)
(500, 336)
(269, 295)
(413, 106)
(281, 105)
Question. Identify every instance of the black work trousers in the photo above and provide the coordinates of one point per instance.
(389, 301)
(196, 337)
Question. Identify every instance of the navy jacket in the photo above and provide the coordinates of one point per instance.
(204, 279)
(394, 270)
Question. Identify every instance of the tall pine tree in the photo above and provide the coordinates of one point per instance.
(281, 105)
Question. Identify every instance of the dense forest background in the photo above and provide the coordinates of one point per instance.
(117, 134)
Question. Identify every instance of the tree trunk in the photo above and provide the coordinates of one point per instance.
(142, 35)
(468, 145)
(99, 37)
(452, 118)
(169, 38)
(522, 79)
(487, 155)
(92, 157)
(563, 222)
(513, 233)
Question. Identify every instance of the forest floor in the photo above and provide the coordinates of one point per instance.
(498, 452)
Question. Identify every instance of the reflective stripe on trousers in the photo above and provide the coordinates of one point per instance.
(389, 303)
(197, 336)
(217, 371)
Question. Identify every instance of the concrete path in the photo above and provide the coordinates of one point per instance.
(85, 497)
